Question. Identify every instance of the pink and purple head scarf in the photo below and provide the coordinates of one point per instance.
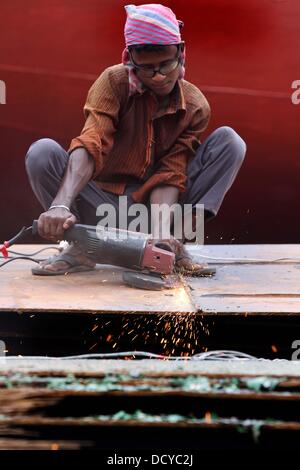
(149, 24)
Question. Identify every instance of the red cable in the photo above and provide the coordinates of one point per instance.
(3, 249)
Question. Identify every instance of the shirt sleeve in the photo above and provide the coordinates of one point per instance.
(171, 168)
(101, 111)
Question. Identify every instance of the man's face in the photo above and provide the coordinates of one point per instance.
(160, 84)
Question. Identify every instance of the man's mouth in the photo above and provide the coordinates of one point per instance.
(160, 87)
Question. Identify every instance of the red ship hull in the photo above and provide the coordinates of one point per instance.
(242, 55)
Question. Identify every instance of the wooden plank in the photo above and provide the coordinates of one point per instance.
(20, 400)
(101, 290)
(38, 444)
(218, 423)
(94, 367)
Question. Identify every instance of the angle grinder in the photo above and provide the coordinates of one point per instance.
(151, 266)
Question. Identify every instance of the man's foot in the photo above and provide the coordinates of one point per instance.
(184, 264)
(70, 260)
(187, 266)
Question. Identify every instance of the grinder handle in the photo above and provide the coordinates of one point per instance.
(35, 227)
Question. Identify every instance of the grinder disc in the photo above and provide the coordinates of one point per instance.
(150, 281)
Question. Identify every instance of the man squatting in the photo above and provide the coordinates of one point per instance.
(141, 139)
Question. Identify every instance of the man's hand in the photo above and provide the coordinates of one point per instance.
(53, 223)
(183, 261)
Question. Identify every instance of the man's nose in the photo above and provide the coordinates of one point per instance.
(158, 77)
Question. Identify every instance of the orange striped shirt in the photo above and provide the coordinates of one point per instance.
(131, 140)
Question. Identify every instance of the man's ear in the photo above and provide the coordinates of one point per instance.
(181, 52)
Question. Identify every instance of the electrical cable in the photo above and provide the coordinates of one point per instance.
(37, 260)
(15, 258)
(26, 256)
(237, 260)
(209, 355)
(251, 260)
(35, 252)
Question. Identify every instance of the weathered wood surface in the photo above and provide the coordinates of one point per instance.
(250, 279)
(26, 399)
(94, 367)
(216, 424)
(40, 397)
(37, 444)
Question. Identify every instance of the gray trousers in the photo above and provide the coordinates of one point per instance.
(209, 176)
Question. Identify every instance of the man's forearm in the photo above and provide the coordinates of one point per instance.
(163, 195)
(78, 173)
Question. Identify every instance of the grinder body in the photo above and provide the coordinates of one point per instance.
(119, 248)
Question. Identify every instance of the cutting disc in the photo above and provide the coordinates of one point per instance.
(150, 281)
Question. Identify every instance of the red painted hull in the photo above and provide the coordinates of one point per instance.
(242, 55)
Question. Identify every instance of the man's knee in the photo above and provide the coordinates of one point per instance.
(232, 141)
(40, 154)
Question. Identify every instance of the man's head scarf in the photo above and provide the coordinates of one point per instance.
(149, 24)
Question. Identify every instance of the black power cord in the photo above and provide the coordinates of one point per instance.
(25, 256)
(19, 257)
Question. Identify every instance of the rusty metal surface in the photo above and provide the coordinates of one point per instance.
(101, 290)
(229, 254)
(238, 288)
(250, 279)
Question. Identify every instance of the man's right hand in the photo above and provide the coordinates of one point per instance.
(53, 223)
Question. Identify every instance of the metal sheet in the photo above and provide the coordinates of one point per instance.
(251, 305)
(228, 254)
(249, 288)
(250, 280)
(101, 290)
